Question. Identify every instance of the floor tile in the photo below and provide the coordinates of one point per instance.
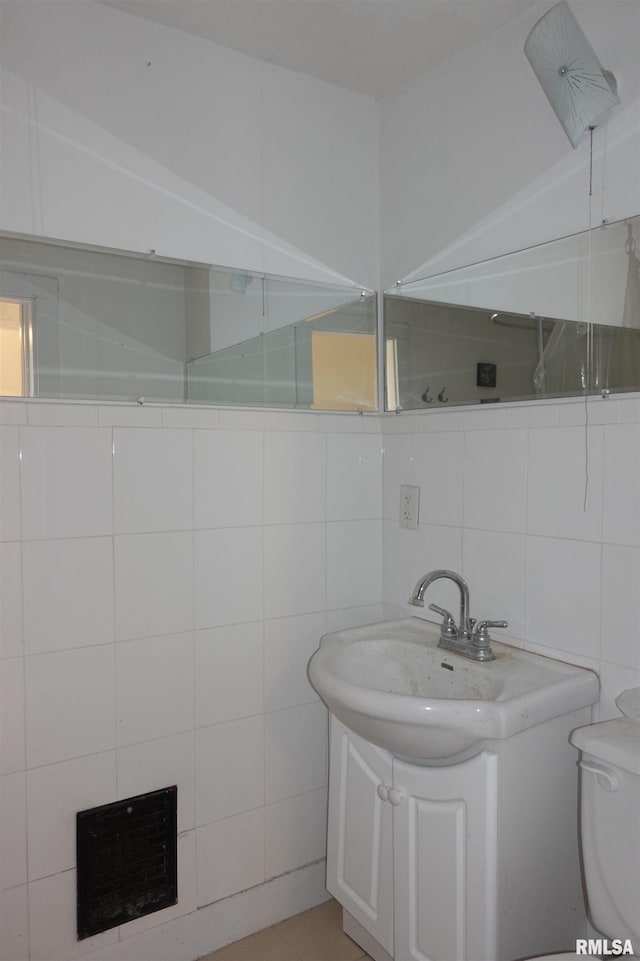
(266, 945)
(314, 935)
(318, 936)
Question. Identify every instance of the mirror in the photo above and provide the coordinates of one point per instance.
(556, 320)
(81, 322)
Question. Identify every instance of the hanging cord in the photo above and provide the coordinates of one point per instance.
(589, 344)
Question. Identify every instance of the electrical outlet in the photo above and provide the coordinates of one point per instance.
(409, 504)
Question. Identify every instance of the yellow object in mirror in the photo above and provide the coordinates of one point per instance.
(11, 349)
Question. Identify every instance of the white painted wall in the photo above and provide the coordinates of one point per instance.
(123, 133)
(474, 163)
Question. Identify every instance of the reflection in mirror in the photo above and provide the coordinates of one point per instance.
(557, 320)
(86, 323)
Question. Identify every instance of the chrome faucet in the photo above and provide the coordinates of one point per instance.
(468, 638)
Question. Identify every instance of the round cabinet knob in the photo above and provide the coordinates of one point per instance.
(395, 796)
(383, 792)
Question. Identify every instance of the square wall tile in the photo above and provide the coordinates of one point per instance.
(294, 477)
(154, 584)
(398, 544)
(13, 830)
(77, 688)
(11, 627)
(621, 511)
(354, 476)
(229, 769)
(13, 412)
(348, 617)
(436, 547)
(56, 793)
(155, 765)
(296, 832)
(294, 569)
(438, 470)
(52, 921)
(66, 482)
(493, 565)
(12, 729)
(68, 593)
(396, 471)
(228, 576)
(296, 751)
(14, 924)
(229, 673)
(563, 595)
(620, 642)
(9, 484)
(354, 563)
(495, 480)
(154, 687)
(230, 856)
(152, 480)
(561, 459)
(228, 478)
(289, 642)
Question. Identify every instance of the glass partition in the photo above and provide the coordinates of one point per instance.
(111, 325)
(557, 320)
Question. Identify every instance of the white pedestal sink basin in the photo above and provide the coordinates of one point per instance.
(392, 685)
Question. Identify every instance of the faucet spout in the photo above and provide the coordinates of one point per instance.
(417, 598)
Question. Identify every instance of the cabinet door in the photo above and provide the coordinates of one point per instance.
(360, 833)
(445, 860)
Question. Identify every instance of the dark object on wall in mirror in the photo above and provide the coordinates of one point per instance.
(486, 375)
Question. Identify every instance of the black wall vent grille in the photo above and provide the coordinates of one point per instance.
(127, 860)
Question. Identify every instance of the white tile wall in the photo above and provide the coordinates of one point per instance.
(229, 669)
(168, 641)
(154, 687)
(289, 642)
(11, 624)
(512, 517)
(229, 769)
(228, 478)
(13, 830)
(165, 579)
(295, 751)
(152, 480)
(55, 792)
(14, 924)
(296, 832)
(153, 583)
(230, 855)
(66, 481)
(228, 576)
(68, 593)
(70, 704)
(295, 569)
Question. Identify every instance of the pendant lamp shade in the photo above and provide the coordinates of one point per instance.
(563, 60)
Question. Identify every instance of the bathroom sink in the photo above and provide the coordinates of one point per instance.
(393, 685)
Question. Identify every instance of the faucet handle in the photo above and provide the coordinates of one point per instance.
(448, 628)
(481, 634)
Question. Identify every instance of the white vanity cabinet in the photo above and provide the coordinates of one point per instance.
(456, 862)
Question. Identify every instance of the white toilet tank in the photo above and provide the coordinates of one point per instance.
(610, 820)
